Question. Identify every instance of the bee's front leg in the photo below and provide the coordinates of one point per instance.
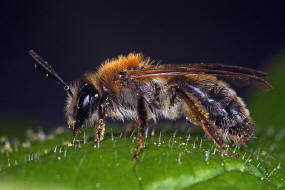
(99, 132)
(100, 124)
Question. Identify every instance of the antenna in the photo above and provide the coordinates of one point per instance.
(47, 69)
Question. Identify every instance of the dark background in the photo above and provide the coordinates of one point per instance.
(75, 36)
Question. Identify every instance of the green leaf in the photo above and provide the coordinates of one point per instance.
(172, 161)
(268, 108)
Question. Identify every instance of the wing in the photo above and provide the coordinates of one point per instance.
(233, 74)
(219, 67)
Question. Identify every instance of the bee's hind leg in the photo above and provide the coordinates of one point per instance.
(142, 124)
(196, 111)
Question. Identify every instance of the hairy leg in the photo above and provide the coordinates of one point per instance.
(195, 110)
(99, 132)
(142, 124)
(100, 124)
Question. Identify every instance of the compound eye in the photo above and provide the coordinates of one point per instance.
(84, 107)
(86, 101)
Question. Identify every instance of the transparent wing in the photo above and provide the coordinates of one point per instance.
(233, 74)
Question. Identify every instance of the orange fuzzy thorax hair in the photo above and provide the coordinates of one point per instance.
(107, 73)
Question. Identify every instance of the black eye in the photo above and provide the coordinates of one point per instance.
(86, 101)
(84, 106)
(88, 98)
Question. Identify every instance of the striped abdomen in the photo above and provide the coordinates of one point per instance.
(226, 110)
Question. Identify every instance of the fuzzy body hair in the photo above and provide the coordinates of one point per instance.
(227, 111)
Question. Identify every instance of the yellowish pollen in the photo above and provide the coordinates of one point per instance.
(263, 153)
(69, 144)
(26, 144)
(7, 147)
(45, 151)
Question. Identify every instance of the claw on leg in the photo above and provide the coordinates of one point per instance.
(226, 153)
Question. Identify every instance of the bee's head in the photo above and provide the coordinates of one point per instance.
(81, 106)
(82, 100)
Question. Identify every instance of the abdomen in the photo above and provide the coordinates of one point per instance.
(226, 110)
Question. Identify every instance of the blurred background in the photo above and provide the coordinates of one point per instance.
(76, 36)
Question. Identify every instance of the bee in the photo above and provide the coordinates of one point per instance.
(134, 88)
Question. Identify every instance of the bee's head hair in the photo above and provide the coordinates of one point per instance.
(47, 69)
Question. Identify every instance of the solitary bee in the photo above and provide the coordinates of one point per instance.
(132, 87)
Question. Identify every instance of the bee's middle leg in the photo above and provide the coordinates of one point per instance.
(142, 117)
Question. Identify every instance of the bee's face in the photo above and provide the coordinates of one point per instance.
(82, 106)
